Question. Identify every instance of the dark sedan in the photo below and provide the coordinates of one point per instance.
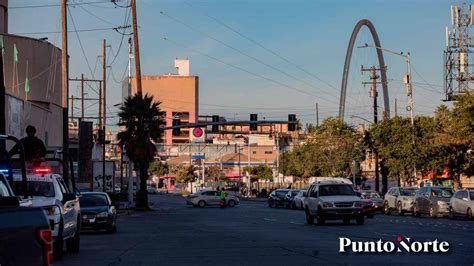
(277, 198)
(98, 212)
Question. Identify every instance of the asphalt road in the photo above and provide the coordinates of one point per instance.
(253, 234)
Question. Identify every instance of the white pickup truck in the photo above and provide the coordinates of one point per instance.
(49, 191)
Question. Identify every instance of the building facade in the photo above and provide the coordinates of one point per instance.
(179, 97)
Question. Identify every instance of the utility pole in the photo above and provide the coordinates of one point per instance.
(317, 115)
(72, 108)
(104, 81)
(130, 169)
(64, 74)
(396, 107)
(373, 94)
(82, 95)
(138, 72)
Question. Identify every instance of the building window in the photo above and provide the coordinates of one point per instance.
(254, 152)
(268, 152)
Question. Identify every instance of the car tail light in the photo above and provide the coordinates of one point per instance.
(46, 240)
(42, 171)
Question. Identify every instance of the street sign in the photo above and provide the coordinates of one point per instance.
(198, 156)
(198, 134)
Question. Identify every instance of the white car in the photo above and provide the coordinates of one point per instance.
(332, 201)
(400, 199)
(209, 198)
(61, 206)
(462, 204)
(299, 198)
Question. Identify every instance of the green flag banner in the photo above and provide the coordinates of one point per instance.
(15, 53)
(27, 85)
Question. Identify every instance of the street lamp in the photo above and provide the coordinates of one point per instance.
(409, 88)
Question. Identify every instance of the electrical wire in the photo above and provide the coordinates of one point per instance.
(266, 48)
(56, 5)
(245, 54)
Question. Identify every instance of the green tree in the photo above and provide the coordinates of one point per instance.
(158, 168)
(141, 119)
(260, 172)
(185, 174)
(215, 173)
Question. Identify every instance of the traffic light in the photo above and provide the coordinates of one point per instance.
(291, 122)
(176, 131)
(215, 128)
(253, 120)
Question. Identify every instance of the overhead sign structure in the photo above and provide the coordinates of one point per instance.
(198, 134)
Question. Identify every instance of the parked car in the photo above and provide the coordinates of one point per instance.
(374, 197)
(289, 199)
(332, 201)
(50, 192)
(399, 199)
(98, 213)
(298, 200)
(433, 201)
(211, 198)
(25, 237)
(151, 190)
(277, 198)
(462, 204)
(368, 206)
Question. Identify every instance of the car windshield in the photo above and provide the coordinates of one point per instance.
(471, 195)
(281, 193)
(93, 200)
(332, 190)
(441, 193)
(36, 188)
(407, 192)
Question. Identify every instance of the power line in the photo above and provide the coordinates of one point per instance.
(243, 53)
(97, 17)
(244, 70)
(82, 48)
(56, 5)
(266, 49)
(54, 32)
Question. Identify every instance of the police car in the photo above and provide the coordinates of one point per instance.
(48, 190)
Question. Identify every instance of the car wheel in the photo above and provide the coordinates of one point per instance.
(469, 214)
(360, 220)
(270, 204)
(73, 244)
(231, 203)
(320, 218)
(201, 204)
(58, 244)
(432, 213)
(346, 221)
(309, 217)
(386, 208)
(451, 214)
(400, 210)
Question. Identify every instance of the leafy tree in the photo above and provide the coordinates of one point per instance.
(185, 174)
(260, 172)
(141, 119)
(158, 168)
(214, 172)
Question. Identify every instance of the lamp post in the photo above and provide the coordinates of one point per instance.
(409, 88)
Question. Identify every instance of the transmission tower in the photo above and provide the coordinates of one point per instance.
(458, 69)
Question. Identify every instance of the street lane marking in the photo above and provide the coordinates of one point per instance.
(269, 219)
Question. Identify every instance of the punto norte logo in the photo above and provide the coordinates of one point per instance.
(401, 244)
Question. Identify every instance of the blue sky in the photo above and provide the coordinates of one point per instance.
(310, 34)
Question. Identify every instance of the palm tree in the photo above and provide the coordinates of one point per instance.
(142, 120)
